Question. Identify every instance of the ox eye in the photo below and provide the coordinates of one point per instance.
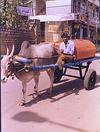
(10, 59)
(8, 63)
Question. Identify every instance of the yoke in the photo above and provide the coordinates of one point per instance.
(66, 65)
(88, 76)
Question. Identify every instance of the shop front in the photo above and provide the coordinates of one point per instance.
(53, 26)
(93, 32)
(75, 30)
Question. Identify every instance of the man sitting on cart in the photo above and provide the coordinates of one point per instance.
(66, 50)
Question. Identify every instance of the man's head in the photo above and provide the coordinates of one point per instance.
(65, 37)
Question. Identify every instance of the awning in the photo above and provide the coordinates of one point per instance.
(60, 17)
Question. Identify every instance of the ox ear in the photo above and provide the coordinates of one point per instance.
(7, 51)
(12, 52)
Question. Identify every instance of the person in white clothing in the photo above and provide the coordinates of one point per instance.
(66, 50)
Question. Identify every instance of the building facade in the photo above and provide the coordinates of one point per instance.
(80, 18)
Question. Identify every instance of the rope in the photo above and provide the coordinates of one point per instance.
(44, 67)
(73, 63)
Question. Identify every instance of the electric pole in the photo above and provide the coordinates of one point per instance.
(88, 22)
(34, 7)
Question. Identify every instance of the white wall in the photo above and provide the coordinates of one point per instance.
(58, 7)
(58, 2)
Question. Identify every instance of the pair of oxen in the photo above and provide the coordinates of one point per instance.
(38, 55)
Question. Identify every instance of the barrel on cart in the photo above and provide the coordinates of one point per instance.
(85, 52)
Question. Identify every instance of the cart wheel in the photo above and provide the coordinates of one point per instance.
(58, 75)
(90, 79)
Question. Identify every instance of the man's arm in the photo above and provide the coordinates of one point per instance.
(62, 51)
(61, 48)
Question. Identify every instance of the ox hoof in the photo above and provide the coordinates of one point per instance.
(49, 92)
(36, 92)
(39, 96)
(22, 103)
(36, 95)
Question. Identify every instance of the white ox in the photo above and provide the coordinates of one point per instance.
(40, 54)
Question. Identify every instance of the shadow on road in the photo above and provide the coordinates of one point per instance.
(64, 86)
(98, 79)
(28, 116)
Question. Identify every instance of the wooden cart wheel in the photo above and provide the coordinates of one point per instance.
(90, 79)
(58, 75)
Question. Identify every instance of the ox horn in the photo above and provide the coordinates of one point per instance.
(7, 51)
(12, 52)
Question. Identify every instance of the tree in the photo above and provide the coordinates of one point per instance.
(8, 14)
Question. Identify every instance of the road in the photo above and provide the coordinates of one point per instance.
(71, 108)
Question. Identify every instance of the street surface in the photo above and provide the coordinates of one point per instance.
(71, 108)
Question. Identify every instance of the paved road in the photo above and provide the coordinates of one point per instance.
(70, 109)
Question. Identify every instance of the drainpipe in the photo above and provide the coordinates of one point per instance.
(99, 11)
(98, 24)
(34, 7)
(88, 29)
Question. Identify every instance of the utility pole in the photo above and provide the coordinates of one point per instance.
(88, 22)
(34, 7)
(99, 20)
(98, 23)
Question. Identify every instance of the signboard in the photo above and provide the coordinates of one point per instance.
(92, 22)
(83, 18)
(52, 28)
(58, 17)
(24, 11)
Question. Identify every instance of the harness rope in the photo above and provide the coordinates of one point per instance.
(29, 61)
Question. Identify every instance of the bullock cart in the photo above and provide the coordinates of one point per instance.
(22, 66)
(86, 74)
(85, 52)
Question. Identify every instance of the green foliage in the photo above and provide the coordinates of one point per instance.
(8, 14)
